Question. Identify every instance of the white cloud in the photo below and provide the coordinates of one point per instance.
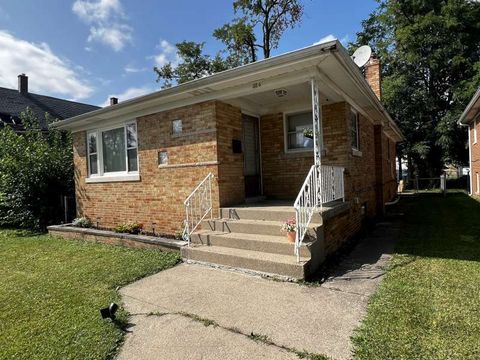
(132, 69)
(167, 54)
(48, 73)
(327, 38)
(130, 93)
(107, 22)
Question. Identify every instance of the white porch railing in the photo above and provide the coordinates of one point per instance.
(197, 206)
(322, 185)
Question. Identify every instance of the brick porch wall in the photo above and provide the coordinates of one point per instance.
(230, 169)
(158, 197)
(284, 173)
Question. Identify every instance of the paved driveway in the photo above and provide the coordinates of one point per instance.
(206, 313)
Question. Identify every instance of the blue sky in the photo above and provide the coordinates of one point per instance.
(88, 50)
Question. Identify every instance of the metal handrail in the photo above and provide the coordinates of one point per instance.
(322, 185)
(197, 206)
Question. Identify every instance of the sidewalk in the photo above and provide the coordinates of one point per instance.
(197, 312)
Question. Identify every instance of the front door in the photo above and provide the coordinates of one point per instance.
(251, 162)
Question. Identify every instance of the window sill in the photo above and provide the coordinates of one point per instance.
(356, 153)
(115, 178)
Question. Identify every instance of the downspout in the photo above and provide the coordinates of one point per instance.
(469, 156)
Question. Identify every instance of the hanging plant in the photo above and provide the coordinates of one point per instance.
(308, 133)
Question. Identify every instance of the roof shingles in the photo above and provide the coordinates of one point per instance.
(13, 103)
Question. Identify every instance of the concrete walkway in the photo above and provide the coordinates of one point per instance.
(205, 313)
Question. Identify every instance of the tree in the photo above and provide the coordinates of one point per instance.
(270, 18)
(193, 64)
(430, 50)
(36, 168)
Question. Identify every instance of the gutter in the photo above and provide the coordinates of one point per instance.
(469, 152)
(215, 79)
(469, 107)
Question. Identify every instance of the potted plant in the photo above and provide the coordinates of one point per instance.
(290, 227)
(308, 135)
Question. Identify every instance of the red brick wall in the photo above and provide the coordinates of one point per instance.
(158, 197)
(389, 171)
(373, 75)
(230, 169)
(360, 180)
(386, 175)
(341, 228)
(475, 157)
(283, 173)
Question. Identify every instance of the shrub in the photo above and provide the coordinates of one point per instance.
(82, 222)
(36, 169)
(129, 228)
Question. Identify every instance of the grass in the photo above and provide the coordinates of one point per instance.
(51, 291)
(428, 306)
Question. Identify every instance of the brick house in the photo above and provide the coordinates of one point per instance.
(470, 119)
(242, 140)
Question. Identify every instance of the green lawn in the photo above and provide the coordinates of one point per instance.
(51, 291)
(428, 306)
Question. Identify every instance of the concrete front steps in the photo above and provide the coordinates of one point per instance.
(248, 238)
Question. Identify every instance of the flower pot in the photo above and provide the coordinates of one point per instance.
(291, 235)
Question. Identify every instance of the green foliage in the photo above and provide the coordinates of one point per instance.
(264, 19)
(52, 290)
(430, 52)
(269, 18)
(427, 305)
(129, 228)
(36, 169)
(239, 39)
(193, 64)
(82, 222)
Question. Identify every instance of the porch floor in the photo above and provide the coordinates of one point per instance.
(282, 205)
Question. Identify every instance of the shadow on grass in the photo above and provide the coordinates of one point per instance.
(422, 225)
(440, 227)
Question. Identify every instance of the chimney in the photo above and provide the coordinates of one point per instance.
(373, 75)
(113, 101)
(22, 84)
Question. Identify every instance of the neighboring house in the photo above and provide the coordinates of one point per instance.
(14, 102)
(470, 118)
(140, 159)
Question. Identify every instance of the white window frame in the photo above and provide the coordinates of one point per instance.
(180, 121)
(474, 125)
(102, 176)
(286, 132)
(357, 123)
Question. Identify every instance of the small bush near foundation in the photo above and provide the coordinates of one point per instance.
(82, 222)
(129, 228)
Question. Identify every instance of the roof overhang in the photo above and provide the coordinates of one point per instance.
(472, 110)
(328, 62)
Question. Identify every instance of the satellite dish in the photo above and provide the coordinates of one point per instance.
(362, 55)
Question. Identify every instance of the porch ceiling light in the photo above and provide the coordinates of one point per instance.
(280, 92)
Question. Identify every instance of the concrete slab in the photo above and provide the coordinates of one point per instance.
(315, 319)
(318, 319)
(178, 337)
